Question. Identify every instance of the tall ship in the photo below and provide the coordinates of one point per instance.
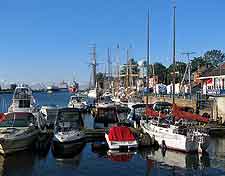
(73, 88)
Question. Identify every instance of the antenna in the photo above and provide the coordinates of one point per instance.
(189, 68)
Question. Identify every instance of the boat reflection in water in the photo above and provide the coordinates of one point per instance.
(70, 159)
(22, 162)
(119, 156)
(175, 161)
(102, 150)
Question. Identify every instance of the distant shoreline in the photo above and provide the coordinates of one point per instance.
(10, 91)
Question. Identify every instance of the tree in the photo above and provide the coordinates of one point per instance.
(210, 58)
(180, 69)
(160, 71)
(197, 62)
(214, 57)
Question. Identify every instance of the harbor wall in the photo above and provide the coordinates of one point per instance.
(179, 101)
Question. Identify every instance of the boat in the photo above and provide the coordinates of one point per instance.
(18, 131)
(52, 88)
(78, 101)
(105, 101)
(73, 88)
(105, 116)
(169, 136)
(136, 113)
(23, 101)
(120, 138)
(50, 113)
(68, 130)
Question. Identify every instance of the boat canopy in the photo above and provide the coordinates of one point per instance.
(179, 114)
(120, 133)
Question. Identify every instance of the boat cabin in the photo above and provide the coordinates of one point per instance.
(105, 116)
(68, 118)
(23, 100)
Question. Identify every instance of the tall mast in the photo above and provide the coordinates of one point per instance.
(127, 70)
(109, 66)
(93, 65)
(174, 50)
(148, 44)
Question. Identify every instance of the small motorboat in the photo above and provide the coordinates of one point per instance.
(50, 113)
(18, 131)
(78, 101)
(68, 130)
(121, 137)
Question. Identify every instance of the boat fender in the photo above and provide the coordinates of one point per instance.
(164, 147)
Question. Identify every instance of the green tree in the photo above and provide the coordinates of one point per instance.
(210, 58)
(214, 57)
(179, 68)
(160, 71)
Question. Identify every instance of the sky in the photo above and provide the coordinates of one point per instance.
(49, 40)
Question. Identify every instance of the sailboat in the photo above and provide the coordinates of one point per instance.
(168, 135)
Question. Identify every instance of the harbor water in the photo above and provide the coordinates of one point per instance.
(95, 161)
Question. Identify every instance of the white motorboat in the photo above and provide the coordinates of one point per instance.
(23, 101)
(175, 137)
(120, 137)
(17, 132)
(68, 130)
(50, 113)
(77, 101)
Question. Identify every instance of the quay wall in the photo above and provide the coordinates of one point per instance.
(179, 101)
(215, 105)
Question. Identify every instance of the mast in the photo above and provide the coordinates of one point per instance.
(93, 65)
(148, 44)
(127, 70)
(174, 50)
(109, 67)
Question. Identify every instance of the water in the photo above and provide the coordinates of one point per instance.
(90, 160)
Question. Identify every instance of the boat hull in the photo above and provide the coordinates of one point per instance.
(187, 144)
(8, 146)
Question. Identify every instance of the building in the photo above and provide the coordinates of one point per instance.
(212, 81)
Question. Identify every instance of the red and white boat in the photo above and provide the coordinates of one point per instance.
(73, 88)
(121, 137)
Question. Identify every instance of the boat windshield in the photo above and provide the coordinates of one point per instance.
(22, 93)
(14, 121)
(69, 120)
(107, 115)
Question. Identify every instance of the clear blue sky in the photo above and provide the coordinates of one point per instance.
(48, 40)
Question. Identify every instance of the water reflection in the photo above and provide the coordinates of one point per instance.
(119, 156)
(20, 162)
(177, 159)
(70, 159)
